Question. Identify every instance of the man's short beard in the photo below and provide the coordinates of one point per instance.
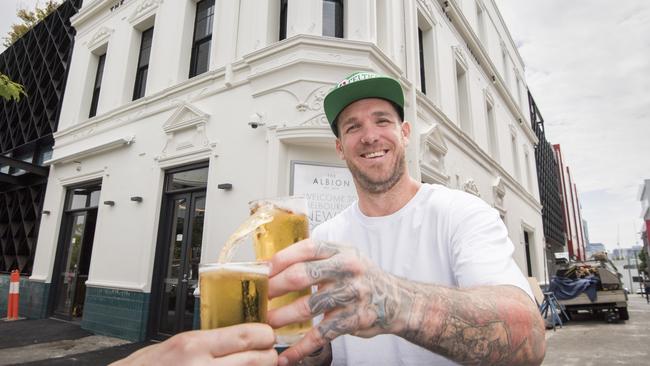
(375, 187)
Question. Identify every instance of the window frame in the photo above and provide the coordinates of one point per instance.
(198, 43)
(140, 86)
(97, 85)
(423, 83)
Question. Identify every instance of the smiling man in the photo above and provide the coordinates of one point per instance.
(426, 275)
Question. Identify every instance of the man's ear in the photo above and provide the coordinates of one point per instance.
(339, 149)
(405, 129)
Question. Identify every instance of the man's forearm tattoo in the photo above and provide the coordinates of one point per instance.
(472, 326)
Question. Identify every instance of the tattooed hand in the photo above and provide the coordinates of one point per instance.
(354, 294)
(485, 325)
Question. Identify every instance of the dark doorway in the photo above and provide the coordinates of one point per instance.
(74, 250)
(178, 251)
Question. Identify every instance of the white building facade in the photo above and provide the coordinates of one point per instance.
(178, 113)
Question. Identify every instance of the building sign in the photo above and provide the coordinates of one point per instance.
(329, 189)
(117, 4)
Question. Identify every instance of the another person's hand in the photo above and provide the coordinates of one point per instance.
(355, 296)
(243, 344)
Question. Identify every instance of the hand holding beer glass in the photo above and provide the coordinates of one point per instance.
(237, 292)
(290, 225)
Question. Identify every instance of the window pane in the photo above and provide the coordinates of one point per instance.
(140, 83)
(79, 197)
(196, 178)
(143, 64)
(98, 84)
(204, 19)
(100, 71)
(283, 19)
(333, 18)
(83, 197)
(423, 84)
(94, 198)
(202, 57)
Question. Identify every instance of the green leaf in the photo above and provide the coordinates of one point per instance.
(10, 90)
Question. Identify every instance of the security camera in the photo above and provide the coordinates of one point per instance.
(255, 120)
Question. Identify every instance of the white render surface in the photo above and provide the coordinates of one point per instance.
(129, 144)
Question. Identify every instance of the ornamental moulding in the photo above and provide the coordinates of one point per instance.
(100, 37)
(433, 149)
(186, 134)
(144, 10)
(470, 187)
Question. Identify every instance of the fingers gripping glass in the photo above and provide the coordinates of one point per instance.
(290, 225)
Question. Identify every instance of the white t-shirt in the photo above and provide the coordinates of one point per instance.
(441, 236)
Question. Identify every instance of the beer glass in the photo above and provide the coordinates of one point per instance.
(290, 224)
(233, 293)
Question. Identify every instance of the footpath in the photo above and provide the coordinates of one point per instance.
(56, 342)
(581, 342)
(589, 341)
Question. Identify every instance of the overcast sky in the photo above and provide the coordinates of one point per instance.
(8, 9)
(588, 68)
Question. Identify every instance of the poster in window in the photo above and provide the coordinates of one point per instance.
(329, 189)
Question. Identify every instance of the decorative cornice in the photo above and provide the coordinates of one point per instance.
(186, 116)
(145, 9)
(109, 145)
(513, 130)
(305, 135)
(99, 38)
(427, 10)
(93, 9)
(470, 187)
(460, 55)
(499, 188)
(433, 149)
(488, 96)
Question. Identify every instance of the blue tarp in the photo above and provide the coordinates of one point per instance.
(566, 288)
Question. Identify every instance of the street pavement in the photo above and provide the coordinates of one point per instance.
(39, 342)
(594, 342)
(582, 342)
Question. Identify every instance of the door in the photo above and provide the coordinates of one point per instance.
(178, 254)
(182, 267)
(74, 251)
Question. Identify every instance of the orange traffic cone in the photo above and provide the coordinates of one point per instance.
(12, 301)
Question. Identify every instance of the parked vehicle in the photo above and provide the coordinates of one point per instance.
(611, 297)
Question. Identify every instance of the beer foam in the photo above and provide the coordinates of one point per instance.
(249, 267)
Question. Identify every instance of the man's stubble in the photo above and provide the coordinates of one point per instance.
(370, 185)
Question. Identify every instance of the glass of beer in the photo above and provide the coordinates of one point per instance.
(233, 293)
(290, 224)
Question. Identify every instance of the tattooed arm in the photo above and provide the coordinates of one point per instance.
(486, 325)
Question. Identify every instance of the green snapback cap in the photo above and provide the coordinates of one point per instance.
(361, 85)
